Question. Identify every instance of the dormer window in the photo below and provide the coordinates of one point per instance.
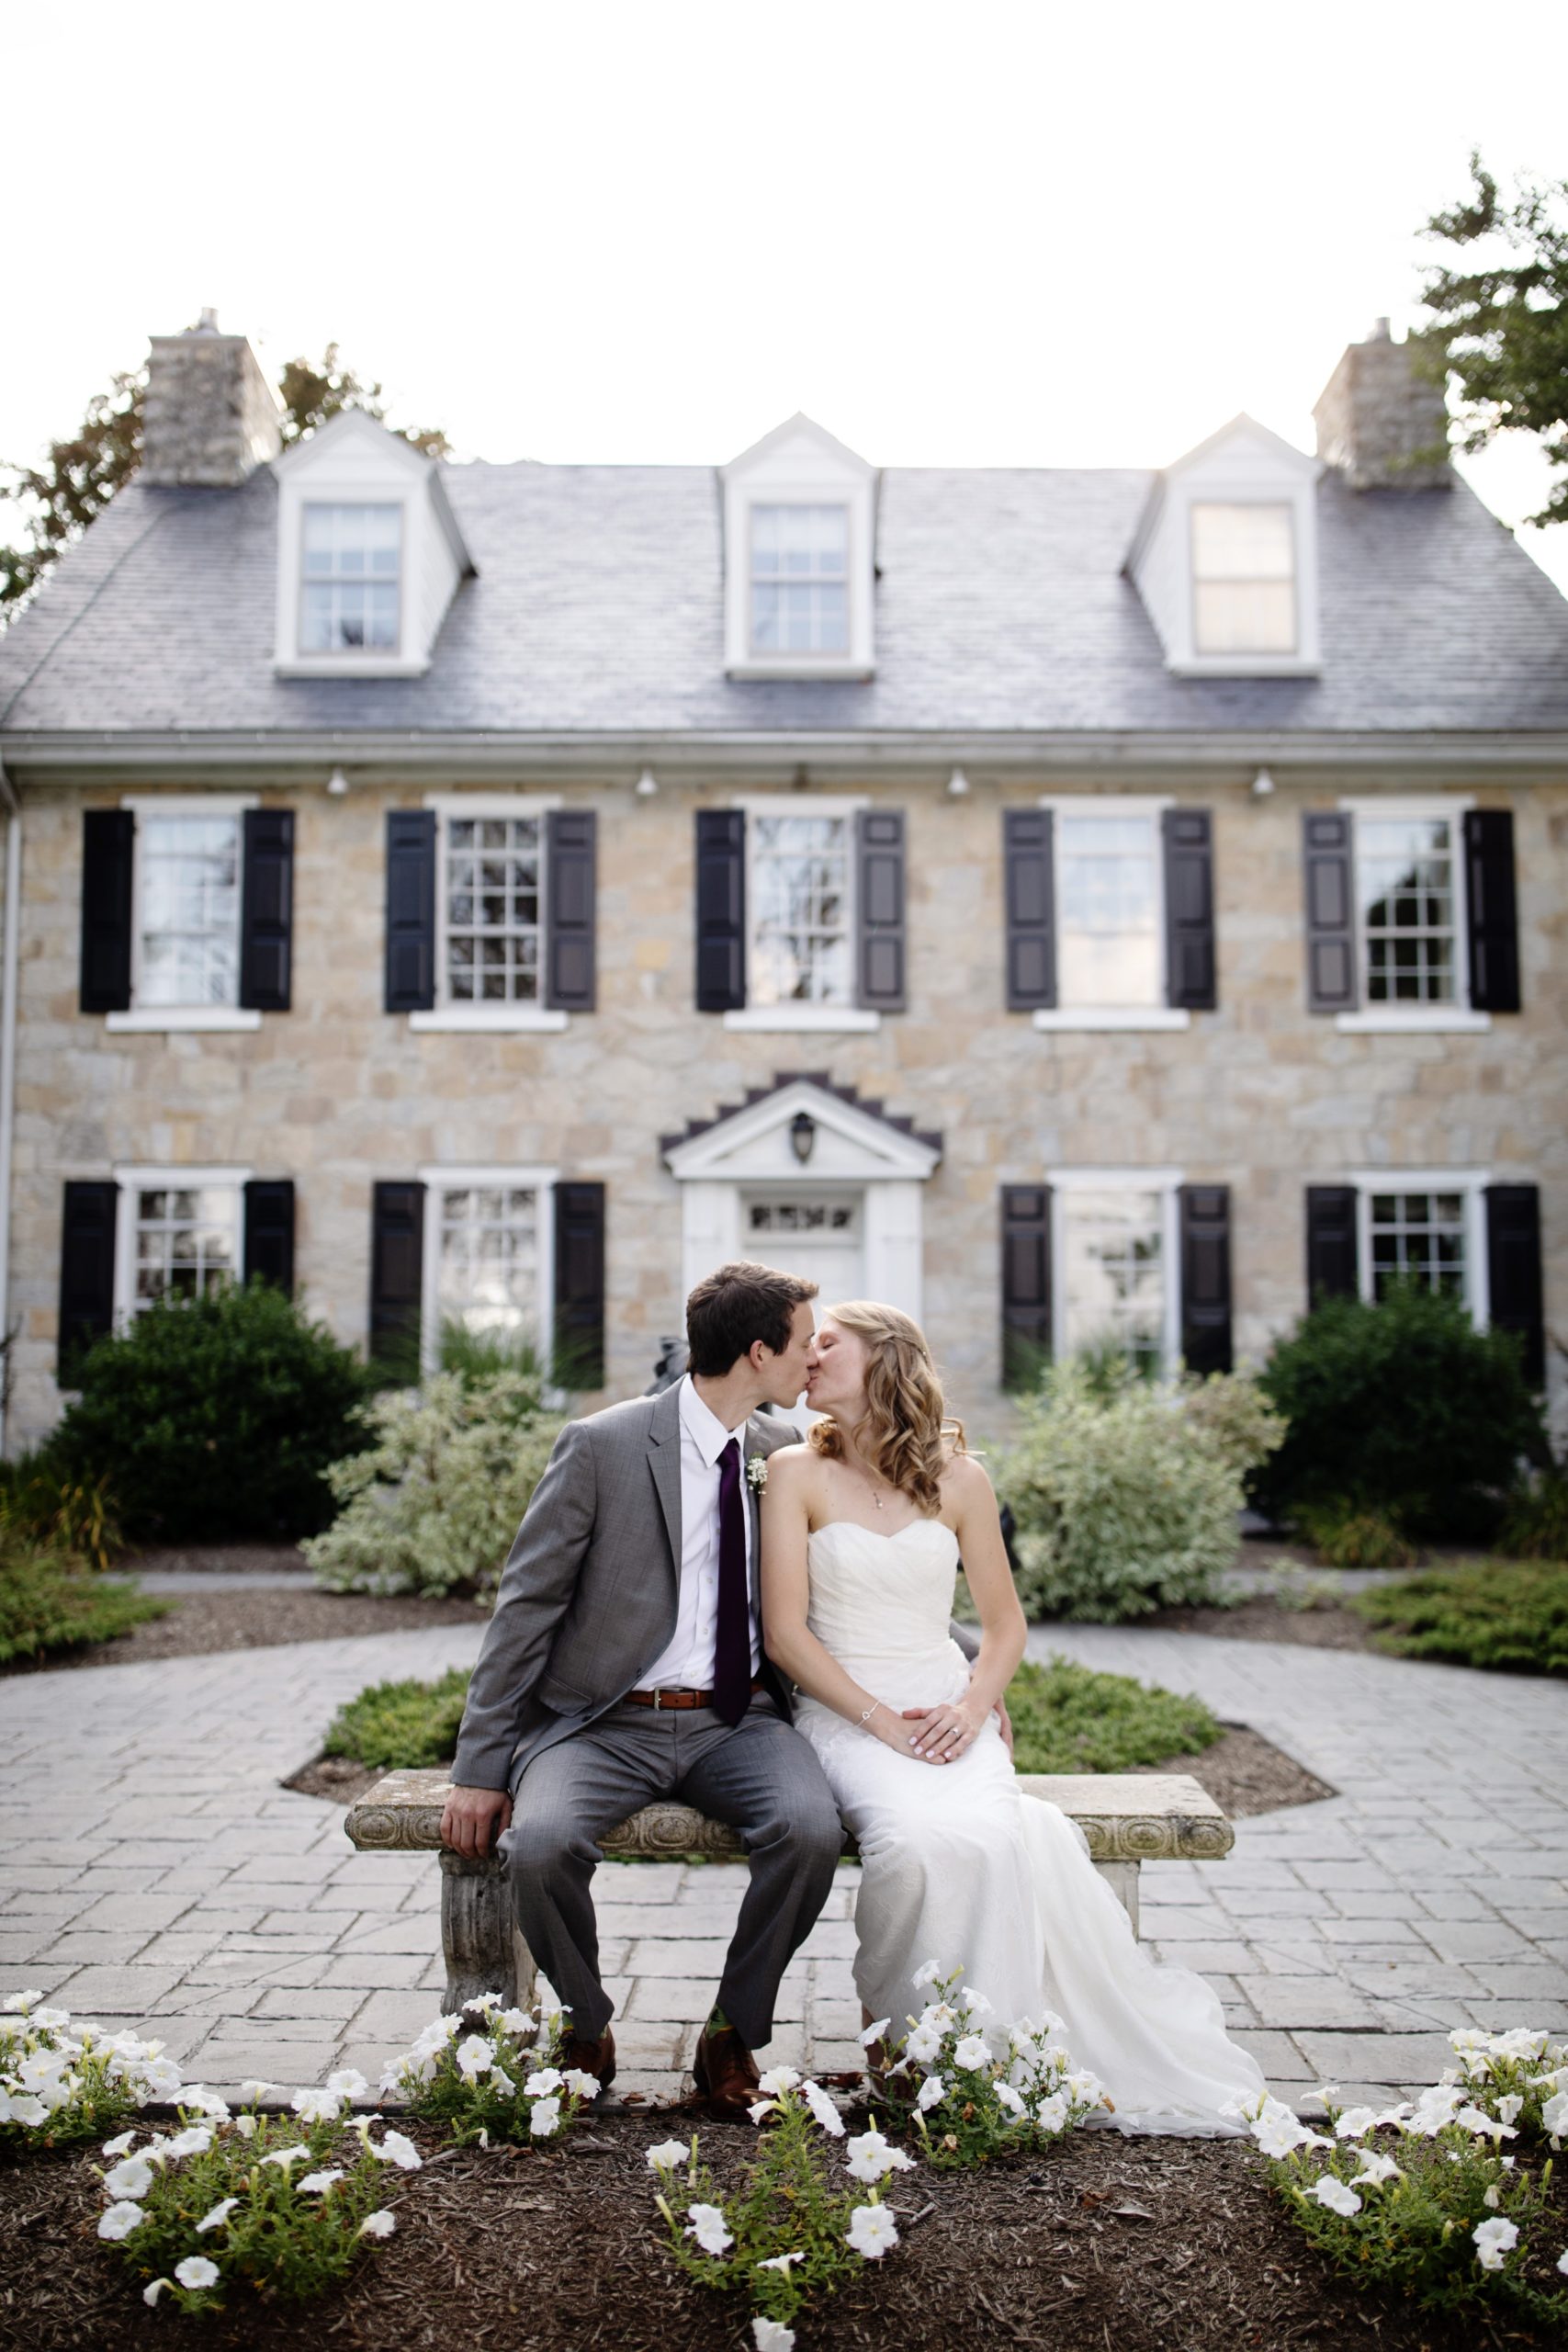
(800, 585)
(353, 559)
(1244, 578)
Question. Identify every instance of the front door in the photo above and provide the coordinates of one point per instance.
(813, 1230)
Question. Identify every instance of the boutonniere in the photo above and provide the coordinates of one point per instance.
(757, 1472)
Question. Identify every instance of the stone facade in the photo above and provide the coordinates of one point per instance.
(210, 417)
(1260, 1095)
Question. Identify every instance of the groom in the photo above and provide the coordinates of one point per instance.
(624, 1664)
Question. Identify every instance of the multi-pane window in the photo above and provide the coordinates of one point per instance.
(188, 883)
(1244, 578)
(835, 1218)
(1108, 916)
(1407, 889)
(1113, 1272)
(800, 583)
(1419, 1237)
(184, 1243)
(489, 1269)
(492, 909)
(801, 909)
(350, 557)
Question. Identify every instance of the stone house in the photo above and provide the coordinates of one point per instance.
(1066, 902)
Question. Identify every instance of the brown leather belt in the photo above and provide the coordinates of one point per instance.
(677, 1698)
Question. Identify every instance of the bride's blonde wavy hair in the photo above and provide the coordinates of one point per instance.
(904, 1431)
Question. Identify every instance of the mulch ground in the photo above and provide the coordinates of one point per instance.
(1105, 2245)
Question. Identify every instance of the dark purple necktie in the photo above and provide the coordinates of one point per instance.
(732, 1638)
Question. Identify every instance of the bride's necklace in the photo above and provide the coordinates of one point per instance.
(869, 1477)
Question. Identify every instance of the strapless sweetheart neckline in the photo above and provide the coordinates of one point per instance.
(883, 1535)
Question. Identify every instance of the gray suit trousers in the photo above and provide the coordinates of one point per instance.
(760, 1776)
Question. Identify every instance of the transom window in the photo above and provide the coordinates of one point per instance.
(1111, 948)
(1419, 1236)
(489, 1260)
(800, 586)
(833, 1219)
(1114, 1273)
(492, 903)
(1407, 889)
(188, 928)
(1244, 578)
(184, 1243)
(352, 559)
(801, 901)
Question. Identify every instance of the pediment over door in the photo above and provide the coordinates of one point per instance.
(852, 1141)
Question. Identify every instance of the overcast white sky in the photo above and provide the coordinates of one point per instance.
(982, 232)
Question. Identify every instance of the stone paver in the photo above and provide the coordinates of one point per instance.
(154, 1871)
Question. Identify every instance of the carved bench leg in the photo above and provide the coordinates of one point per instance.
(1122, 1879)
(482, 1946)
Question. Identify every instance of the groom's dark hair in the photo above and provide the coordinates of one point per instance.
(737, 1305)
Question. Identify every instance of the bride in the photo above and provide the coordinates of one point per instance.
(864, 1528)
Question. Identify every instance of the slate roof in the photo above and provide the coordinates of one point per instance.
(1000, 605)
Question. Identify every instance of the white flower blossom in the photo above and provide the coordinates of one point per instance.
(875, 2033)
(151, 2293)
(1476, 2119)
(976, 2003)
(1376, 2169)
(395, 2147)
(245, 2125)
(1494, 2240)
(317, 2106)
(252, 2088)
(196, 2272)
(519, 2023)
(932, 2093)
(1554, 2114)
(542, 2085)
(121, 2146)
(217, 2217)
(760, 2107)
(941, 2014)
(871, 2231)
(161, 2078)
(1337, 2194)
(118, 2221)
(824, 2108)
(1053, 2114)
(133, 2177)
(972, 2053)
(580, 2085)
(377, 2225)
(929, 1973)
(286, 2156)
(474, 2056)
(316, 2184)
(1011, 2099)
(771, 2334)
(777, 2079)
(923, 2045)
(780, 2262)
(667, 2155)
(15, 2001)
(1563, 2262)
(193, 2142)
(1354, 2123)
(870, 2156)
(706, 2224)
(544, 2117)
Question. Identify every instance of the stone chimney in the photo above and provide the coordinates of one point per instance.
(1381, 423)
(212, 417)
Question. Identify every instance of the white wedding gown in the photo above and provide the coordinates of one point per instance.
(958, 1867)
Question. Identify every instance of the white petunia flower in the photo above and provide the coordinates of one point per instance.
(824, 2108)
(252, 2088)
(580, 2085)
(160, 2078)
(121, 2146)
(542, 2085)
(1337, 2194)
(972, 2053)
(377, 2225)
(133, 2177)
(771, 2334)
(871, 2231)
(1554, 2114)
(1011, 2099)
(1476, 2119)
(196, 2272)
(667, 2155)
(194, 2140)
(317, 2106)
(1053, 2114)
(350, 2082)
(286, 2156)
(15, 2001)
(474, 2056)
(777, 2079)
(871, 2154)
(1493, 2241)
(218, 2215)
(316, 2184)
(976, 2003)
(941, 2014)
(780, 2262)
(923, 2045)
(118, 2221)
(22, 2107)
(1376, 2169)
(1563, 2262)
(397, 2148)
(544, 2117)
(930, 1973)
(245, 2125)
(932, 2093)
(875, 2033)
(706, 2224)
(519, 2023)
(151, 2293)
(1354, 2122)
(760, 2107)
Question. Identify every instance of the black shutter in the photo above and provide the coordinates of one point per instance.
(1026, 1283)
(1327, 870)
(86, 1271)
(1331, 1250)
(1493, 919)
(1513, 1266)
(1205, 1277)
(879, 854)
(579, 1285)
(1189, 979)
(1031, 909)
(108, 853)
(267, 910)
(397, 1267)
(570, 915)
(269, 1231)
(721, 910)
(410, 909)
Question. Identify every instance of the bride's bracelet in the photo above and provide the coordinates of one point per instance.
(871, 1711)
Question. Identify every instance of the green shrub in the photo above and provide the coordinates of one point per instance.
(1403, 1408)
(397, 1726)
(214, 1417)
(1065, 1718)
(1511, 1616)
(432, 1503)
(1535, 1525)
(41, 1503)
(1125, 1493)
(49, 1600)
(1346, 1535)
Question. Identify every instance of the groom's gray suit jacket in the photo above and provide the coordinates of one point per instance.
(588, 1595)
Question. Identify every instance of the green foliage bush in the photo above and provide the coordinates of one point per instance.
(397, 1726)
(214, 1417)
(51, 1600)
(1509, 1615)
(1065, 1718)
(433, 1502)
(1126, 1493)
(1403, 1408)
(41, 1503)
(1535, 1526)
(1346, 1535)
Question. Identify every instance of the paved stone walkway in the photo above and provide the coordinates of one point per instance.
(153, 1872)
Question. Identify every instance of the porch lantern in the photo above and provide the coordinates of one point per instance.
(803, 1136)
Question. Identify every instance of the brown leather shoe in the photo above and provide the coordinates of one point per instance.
(591, 2057)
(725, 2071)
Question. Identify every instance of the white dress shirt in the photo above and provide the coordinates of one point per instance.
(687, 1662)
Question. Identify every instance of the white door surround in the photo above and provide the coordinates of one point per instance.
(859, 1159)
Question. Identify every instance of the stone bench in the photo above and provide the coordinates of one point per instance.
(1128, 1818)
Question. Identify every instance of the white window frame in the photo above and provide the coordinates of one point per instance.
(1472, 1182)
(542, 1182)
(798, 465)
(820, 1020)
(1277, 653)
(392, 652)
(131, 1180)
(1111, 1016)
(497, 1019)
(1167, 1182)
(755, 504)
(1459, 1018)
(172, 1019)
